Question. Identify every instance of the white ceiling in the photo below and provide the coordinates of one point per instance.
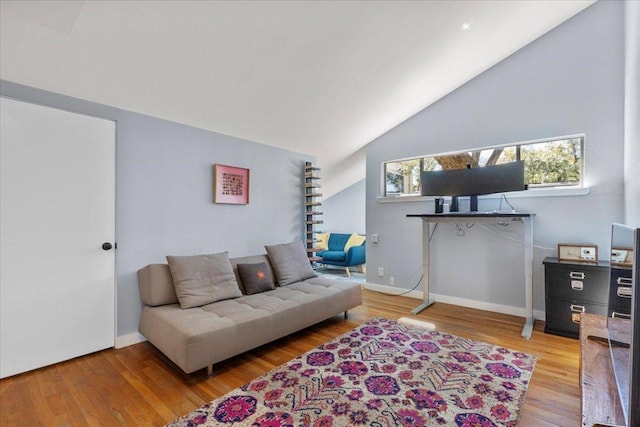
(319, 77)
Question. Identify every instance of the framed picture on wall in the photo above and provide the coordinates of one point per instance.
(230, 184)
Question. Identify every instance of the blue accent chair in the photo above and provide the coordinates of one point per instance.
(336, 255)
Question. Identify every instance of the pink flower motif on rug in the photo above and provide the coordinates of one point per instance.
(382, 373)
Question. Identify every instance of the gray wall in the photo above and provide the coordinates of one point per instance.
(165, 193)
(344, 212)
(632, 113)
(569, 81)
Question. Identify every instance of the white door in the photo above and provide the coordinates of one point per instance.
(57, 208)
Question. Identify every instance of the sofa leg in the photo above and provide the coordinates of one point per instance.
(346, 315)
(209, 370)
(348, 272)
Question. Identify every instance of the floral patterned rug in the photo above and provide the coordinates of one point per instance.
(382, 373)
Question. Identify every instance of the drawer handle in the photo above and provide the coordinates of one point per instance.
(577, 308)
(575, 312)
(625, 291)
(620, 315)
(577, 285)
(577, 275)
(624, 281)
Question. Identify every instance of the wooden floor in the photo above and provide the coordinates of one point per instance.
(138, 386)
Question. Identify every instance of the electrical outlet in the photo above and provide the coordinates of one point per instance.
(392, 281)
(374, 238)
(380, 271)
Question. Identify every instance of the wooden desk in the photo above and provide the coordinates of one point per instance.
(481, 217)
(600, 402)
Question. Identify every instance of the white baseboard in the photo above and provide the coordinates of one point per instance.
(463, 302)
(393, 291)
(129, 339)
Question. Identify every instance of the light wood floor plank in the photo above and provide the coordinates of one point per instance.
(137, 385)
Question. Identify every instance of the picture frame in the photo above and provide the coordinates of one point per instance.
(231, 185)
(577, 252)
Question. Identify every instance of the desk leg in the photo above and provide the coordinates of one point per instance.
(528, 277)
(425, 268)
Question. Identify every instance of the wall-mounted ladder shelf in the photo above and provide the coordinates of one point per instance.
(311, 212)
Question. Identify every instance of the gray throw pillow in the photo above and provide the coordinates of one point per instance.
(255, 278)
(290, 262)
(203, 279)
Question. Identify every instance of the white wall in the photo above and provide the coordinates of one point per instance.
(344, 212)
(569, 81)
(632, 113)
(164, 194)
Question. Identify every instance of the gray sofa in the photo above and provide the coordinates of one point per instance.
(198, 337)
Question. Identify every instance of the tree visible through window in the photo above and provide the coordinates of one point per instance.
(547, 164)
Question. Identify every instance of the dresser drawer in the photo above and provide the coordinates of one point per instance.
(577, 282)
(620, 289)
(563, 315)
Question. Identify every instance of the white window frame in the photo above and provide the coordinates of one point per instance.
(534, 191)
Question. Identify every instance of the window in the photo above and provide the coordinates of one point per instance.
(548, 163)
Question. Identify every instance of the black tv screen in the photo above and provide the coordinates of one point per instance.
(474, 181)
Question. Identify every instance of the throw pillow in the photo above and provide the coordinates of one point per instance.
(354, 240)
(290, 262)
(323, 241)
(255, 278)
(203, 279)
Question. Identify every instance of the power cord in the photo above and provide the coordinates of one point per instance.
(504, 197)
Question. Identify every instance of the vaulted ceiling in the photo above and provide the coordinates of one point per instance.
(319, 77)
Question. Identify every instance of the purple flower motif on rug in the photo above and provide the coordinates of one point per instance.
(463, 356)
(425, 347)
(473, 420)
(383, 373)
(320, 358)
(358, 418)
(235, 408)
(371, 330)
(427, 399)
(332, 381)
(382, 385)
(274, 419)
(353, 368)
(503, 370)
(411, 418)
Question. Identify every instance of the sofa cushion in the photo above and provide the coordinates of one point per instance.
(203, 279)
(255, 278)
(334, 256)
(253, 259)
(323, 241)
(156, 285)
(290, 262)
(354, 240)
(337, 241)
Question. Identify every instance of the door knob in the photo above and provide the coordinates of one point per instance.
(107, 246)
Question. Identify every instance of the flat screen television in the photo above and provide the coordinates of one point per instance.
(623, 322)
(474, 181)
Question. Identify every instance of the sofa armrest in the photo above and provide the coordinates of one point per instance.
(356, 255)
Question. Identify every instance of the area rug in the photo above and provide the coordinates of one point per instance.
(382, 373)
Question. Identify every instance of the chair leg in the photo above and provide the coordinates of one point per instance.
(348, 272)
(362, 268)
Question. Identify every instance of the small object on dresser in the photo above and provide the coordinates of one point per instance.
(574, 252)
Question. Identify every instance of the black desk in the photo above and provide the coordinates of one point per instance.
(481, 217)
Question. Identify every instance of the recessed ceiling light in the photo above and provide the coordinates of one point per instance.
(466, 26)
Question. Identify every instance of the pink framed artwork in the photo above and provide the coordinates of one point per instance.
(231, 185)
